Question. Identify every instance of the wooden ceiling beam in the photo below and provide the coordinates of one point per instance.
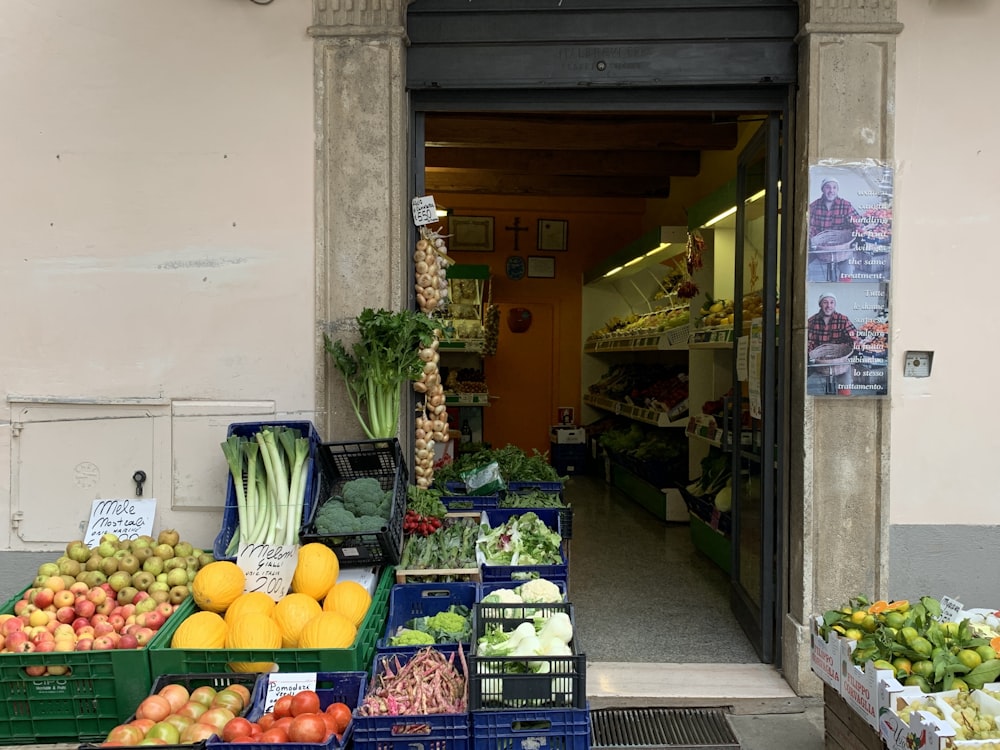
(551, 162)
(578, 132)
(506, 183)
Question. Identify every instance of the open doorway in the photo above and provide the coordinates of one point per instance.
(645, 591)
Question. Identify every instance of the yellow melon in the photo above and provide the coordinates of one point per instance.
(200, 630)
(252, 601)
(291, 614)
(328, 630)
(350, 599)
(316, 570)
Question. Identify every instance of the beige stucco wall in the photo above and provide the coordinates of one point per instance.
(946, 268)
(156, 225)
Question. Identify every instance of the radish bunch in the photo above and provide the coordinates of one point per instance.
(430, 263)
(432, 420)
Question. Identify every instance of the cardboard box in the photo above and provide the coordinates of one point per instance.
(825, 659)
(868, 691)
(924, 731)
(568, 435)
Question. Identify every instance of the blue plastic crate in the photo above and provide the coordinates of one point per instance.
(412, 731)
(331, 687)
(503, 683)
(410, 600)
(552, 729)
(543, 486)
(339, 463)
(230, 514)
(470, 502)
(551, 517)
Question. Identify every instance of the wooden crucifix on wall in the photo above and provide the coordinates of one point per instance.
(516, 229)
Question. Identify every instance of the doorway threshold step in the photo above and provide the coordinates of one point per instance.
(741, 688)
(675, 728)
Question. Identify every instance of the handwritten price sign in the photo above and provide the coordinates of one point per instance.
(424, 210)
(287, 683)
(268, 567)
(127, 518)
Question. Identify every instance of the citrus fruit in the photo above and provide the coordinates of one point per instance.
(920, 646)
(917, 680)
(907, 634)
(883, 664)
(902, 664)
(869, 624)
(894, 619)
(986, 653)
(970, 658)
(858, 616)
(923, 668)
(854, 634)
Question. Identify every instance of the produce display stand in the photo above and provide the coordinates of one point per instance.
(98, 690)
(424, 600)
(164, 659)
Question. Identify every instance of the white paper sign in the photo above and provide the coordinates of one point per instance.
(742, 352)
(287, 683)
(424, 210)
(128, 518)
(268, 567)
(951, 609)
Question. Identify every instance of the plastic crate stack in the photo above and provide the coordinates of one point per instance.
(530, 701)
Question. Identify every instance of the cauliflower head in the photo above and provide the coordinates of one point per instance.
(540, 591)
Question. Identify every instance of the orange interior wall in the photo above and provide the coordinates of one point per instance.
(596, 229)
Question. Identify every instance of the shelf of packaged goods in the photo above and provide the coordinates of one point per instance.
(637, 413)
(466, 399)
(673, 339)
(461, 345)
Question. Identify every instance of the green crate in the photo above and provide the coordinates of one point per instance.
(100, 690)
(717, 546)
(357, 658)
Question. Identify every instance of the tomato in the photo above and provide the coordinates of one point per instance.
(332, 723)
(265, 722)
(154, 707)
(282, 707)
(242, 690)
(243, 738)
(342, 713)
(305, 702)
(273, 736)
(238, 727)
(308, 727)
(283, 723)
(229, 699)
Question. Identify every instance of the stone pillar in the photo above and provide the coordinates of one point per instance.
(838, 448)
(361, 210)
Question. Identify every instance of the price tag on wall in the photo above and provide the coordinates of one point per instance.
(268, 567)
(424, 210)
(287, 683)
(127, 518)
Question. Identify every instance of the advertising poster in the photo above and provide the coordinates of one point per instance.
(850, 261)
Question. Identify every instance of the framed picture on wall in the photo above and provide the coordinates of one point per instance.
(541, 267)
(471, 233)
(552, 234)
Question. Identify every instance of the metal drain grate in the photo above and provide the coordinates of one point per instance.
(677, 728)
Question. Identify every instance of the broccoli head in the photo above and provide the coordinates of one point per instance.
(365, 497)
(333, 518)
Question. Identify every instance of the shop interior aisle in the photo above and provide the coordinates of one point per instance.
(641, 591)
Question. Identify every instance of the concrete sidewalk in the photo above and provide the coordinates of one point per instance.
(795, 731)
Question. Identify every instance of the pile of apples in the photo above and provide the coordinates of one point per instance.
(74, 606)
(173, 716)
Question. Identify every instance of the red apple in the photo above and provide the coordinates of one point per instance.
(21, 648)
(127, 610)
(20, 605)
(45, 646)
(85, 607)
(42, 636)
(79, 588)
(153, 620)
(165, 608)
(45, 597)
(103, 643)
(97, 595)
(105, 608)
(84, 644)
(144, 635)
(80, 622)
(65, 614)
(117, 622)
(15, 639)
(12, 625)
(35, 670)
(101, 629)
(128, 641)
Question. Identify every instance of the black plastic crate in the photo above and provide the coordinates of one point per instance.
(339, 463)
(503, 683)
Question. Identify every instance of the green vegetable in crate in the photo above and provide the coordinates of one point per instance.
(521, 540)
(274, 464)
(452, 625)
(411, 637)
(386, 356)
(361, 506)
